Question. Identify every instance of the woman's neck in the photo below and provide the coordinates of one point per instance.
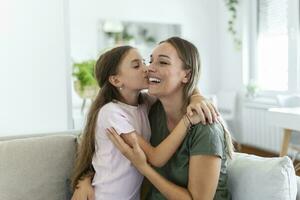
(173, 108)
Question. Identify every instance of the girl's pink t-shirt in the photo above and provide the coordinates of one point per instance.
(115, 177)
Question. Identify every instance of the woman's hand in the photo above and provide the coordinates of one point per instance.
(84, 190)
(203, 108)
(135, 154)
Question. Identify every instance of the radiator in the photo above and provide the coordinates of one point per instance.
(257, 131)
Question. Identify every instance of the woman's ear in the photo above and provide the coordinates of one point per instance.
(114, 80)
(187, 76)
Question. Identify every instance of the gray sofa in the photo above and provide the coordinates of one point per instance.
(38, 168)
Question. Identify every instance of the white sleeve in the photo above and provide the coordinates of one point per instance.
(116, 119)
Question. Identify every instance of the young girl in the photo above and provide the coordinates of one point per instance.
(121, 75)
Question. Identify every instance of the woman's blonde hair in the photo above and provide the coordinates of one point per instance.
(189, 55)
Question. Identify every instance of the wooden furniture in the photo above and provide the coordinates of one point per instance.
(288, 119)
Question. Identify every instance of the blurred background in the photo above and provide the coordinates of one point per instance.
(249, 52)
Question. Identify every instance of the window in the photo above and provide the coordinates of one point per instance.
(276, 66)
(272, 45)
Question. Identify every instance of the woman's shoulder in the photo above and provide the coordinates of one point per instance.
(214, 129)
(207, 139)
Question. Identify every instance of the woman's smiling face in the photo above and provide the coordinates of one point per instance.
(166, 73)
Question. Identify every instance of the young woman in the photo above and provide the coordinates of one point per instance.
(198, 168)
(122, 75)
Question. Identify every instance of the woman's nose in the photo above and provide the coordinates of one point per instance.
(151, 68)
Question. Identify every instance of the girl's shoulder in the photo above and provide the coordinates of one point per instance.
(110, 109)
(109, 106)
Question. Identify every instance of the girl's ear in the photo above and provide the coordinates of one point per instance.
(187, 76)
(114, 80)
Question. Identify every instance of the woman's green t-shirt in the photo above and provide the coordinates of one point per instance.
(201, 140)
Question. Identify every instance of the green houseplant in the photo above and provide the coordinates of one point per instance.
(232, 6)
(85, 83)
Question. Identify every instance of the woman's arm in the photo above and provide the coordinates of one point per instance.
(203, 173)
(84, 190)
(203, 179)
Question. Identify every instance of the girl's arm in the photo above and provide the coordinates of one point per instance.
(160, 154)
(203, 172)
(203, 107)
(206, 110)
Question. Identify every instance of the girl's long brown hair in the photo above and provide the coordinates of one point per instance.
(106, 65)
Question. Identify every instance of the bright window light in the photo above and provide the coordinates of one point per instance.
(272, 45)
(273, 62)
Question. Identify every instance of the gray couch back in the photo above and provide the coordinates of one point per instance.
(36, 168)
(39, 167)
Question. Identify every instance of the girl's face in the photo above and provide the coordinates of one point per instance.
(132, 72)
(166, 73)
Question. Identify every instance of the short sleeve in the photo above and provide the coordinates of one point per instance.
(207, 140)
(116, 118)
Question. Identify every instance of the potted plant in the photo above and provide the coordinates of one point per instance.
(85, 83)
(252, 89)
(232, 6)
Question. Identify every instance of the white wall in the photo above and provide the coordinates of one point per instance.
(34, 51)
(201, 28)
(198, 20)
(229, 62)
(228, 69)
(33, 67)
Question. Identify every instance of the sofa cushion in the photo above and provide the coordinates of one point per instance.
(36, 168)
(252, 177)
